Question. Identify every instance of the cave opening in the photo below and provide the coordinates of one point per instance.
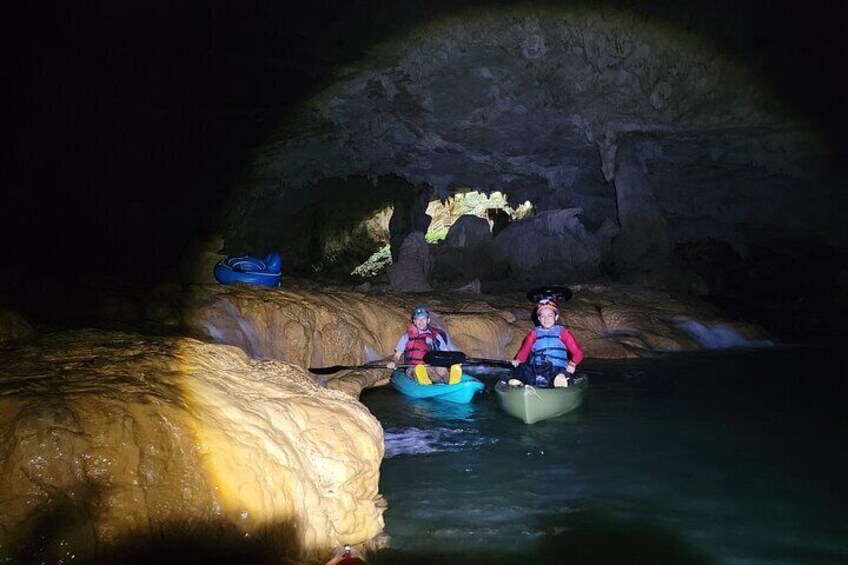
(439, 216)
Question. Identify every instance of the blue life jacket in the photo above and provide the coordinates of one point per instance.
(549, 347)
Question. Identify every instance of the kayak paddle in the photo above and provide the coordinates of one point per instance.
(336, 368)
(448, 358)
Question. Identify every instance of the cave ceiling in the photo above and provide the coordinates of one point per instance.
(536, 104)
(140, 128)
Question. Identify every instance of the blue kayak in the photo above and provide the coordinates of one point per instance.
(461, 393)
(249, 270)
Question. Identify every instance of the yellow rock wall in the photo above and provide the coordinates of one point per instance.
(114, 438)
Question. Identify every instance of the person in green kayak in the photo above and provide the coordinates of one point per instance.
(421, 337)
(549, 354)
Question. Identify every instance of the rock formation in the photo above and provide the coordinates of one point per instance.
(13, 326)
(412, 271)
(636, 124)
(551, 246)
(122, 445)
(660, 139)
(118, 445)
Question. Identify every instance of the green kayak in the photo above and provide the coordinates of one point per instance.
(530, 404)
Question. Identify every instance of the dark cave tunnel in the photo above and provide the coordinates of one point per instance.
(688, 147)
(145, 147)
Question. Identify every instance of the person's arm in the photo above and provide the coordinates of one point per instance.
(399, 349)
(575, 354)
(524, 350)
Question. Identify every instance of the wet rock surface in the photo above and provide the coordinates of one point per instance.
(115, 442)
(197, 416)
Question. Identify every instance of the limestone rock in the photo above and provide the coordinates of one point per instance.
(13, 326)
(552, 245)
(469, 232)
(313, 327)
(472, 287)
(199, 260)
(411, 273)
(648, 129)
(118, 439)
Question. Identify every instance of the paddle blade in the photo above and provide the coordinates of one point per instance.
(337, 368)
(328, 370)
(444, 358)
(490, 362)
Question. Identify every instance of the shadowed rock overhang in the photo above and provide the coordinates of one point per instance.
(637, 124)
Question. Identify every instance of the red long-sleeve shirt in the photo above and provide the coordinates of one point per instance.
(575, 354)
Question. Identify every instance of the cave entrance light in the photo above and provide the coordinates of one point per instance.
(446, 212)
(493, 207)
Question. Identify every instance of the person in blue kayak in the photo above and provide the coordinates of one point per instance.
(549, 354)
(420, 338)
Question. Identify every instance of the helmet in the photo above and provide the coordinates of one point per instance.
(546, 303)
(420, 311)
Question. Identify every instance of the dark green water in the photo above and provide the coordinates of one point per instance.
(729, 457)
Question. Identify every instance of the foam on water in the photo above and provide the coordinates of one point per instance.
(417, 441)
(719, 336)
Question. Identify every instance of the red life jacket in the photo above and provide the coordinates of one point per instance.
(417, 344)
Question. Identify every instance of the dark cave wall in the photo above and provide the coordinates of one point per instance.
(132, 122)
(769, 186)
(680, 158)
(317, 228)
(602, 111)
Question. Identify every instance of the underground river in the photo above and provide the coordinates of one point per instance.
(734, 456)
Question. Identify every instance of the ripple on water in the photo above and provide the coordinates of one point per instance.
(417, 441)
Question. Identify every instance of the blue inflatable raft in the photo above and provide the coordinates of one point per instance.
(249, 270)
(461, 393)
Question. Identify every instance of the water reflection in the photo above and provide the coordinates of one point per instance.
(681, 458)
(415, 433)
(439, 410)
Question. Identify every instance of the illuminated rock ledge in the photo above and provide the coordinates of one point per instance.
(124, 446)
(119, 446)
